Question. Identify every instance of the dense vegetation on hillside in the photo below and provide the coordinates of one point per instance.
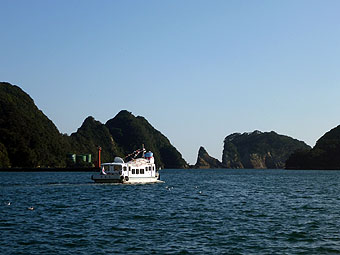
(90, 136)
(324, 155)
(132, 132)
(29, 139)
(259, 150)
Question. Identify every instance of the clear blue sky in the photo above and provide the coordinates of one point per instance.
(196, 70)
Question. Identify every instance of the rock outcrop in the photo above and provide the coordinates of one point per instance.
(204, 160)
(259, 150)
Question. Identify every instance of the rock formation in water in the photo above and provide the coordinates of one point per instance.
(324, 155)
(259, 150)
(204, 160)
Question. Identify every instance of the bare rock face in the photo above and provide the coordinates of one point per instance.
(259, 150)
(204, 160)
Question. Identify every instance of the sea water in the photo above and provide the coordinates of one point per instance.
(192, 212)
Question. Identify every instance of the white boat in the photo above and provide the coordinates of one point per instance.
(137, 170)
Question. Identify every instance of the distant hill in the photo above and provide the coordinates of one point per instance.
(324, 155)
(29, 139)
(204, 160)
(90, 136)
(259, 150)
(131, 132)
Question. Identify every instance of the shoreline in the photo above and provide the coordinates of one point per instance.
(50, 169)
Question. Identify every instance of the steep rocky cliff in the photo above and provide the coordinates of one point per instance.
(259, 150)
(204, 160)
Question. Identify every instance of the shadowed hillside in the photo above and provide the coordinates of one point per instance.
(29, 139)
(90, 136)
(131, 132)
(324, 155)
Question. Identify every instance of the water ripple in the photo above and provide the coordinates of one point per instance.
(236, 212)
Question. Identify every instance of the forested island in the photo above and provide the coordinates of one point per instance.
(29, 139)
(258, 150)
(269, 150)
(324, 155)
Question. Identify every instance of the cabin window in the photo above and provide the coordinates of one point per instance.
(133, 171)
(118, 167)
(153, 167)
(149, 168)
(146, 169)
(130, 168)
(124, 168)
(137, 171)
(142, 171)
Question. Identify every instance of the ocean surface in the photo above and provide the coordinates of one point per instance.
(192, 212)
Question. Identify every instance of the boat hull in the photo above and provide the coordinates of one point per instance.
(117, 179)
(101, 178)
(142, 180)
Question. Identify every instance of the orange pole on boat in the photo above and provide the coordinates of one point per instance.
(99, 155)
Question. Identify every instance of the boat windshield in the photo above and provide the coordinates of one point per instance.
(118, 167)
